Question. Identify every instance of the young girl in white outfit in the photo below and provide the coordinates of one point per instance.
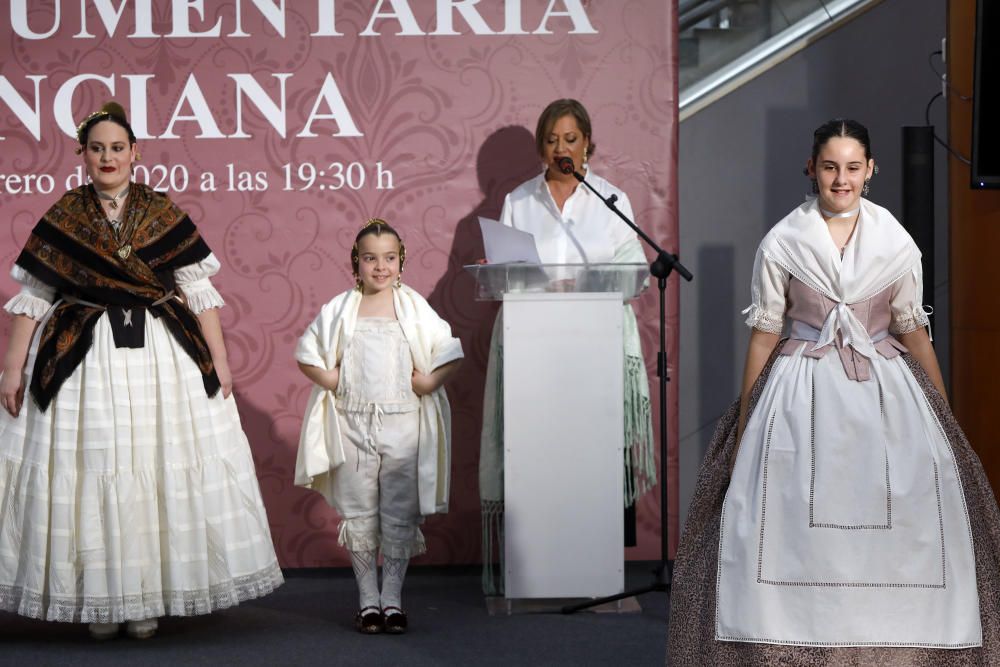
(376, 437)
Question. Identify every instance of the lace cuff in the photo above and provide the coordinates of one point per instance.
(762, 320)
(909, 321)
(31, 302)
(202, 295)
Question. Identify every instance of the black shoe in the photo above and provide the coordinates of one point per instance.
(394, 622)
(369, 621)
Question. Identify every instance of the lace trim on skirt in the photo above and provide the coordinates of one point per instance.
(71, 609)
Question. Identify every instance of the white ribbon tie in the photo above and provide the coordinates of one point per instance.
(841, 318)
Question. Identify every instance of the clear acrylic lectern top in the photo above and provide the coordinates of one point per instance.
(495, 280)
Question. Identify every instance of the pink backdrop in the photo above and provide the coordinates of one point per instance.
(445, 125)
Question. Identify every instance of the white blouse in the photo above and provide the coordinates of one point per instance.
(769, 287)
(377, 369)
(585, 231)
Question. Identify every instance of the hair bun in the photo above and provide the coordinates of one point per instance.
(112, 108)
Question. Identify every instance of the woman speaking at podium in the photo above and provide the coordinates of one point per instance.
(571, 225)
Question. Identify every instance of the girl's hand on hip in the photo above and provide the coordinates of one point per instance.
(422, 384)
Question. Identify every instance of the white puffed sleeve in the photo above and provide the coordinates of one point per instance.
(768, 288)
(35, 297)
(194, 281)
(906, 303)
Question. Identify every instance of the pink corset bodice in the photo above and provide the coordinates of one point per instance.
(808, 309)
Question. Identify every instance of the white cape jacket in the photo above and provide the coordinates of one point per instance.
(321, 445)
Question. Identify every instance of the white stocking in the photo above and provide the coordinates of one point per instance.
(366, 574)
(393, 573)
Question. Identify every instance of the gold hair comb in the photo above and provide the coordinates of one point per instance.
(79, 128)
(373, 221)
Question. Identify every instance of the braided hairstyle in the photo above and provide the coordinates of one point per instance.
(376, 226)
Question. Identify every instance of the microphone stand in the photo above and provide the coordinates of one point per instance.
(661, 267)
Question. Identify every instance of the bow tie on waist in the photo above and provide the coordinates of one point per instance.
(852, 333)
(849, 347)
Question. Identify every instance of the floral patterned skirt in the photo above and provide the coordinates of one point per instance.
(691, 638)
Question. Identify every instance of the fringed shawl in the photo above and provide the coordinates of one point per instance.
(92, 266)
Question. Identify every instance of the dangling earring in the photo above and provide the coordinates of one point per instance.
(815, 186)
(868, 181)
(402, 263)
(355, 263)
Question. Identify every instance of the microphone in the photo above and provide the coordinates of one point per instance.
(565, 164)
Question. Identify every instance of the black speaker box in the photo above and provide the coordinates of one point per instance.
(986, 97)
(918, 197)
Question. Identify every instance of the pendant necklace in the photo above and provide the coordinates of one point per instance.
(113, 201)
(845, 214)
(125, 250)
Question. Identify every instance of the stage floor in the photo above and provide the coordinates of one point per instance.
(309, 621)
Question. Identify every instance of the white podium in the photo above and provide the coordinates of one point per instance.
(563, 423)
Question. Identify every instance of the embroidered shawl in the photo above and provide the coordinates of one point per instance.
(74, 250)
(321, 444)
